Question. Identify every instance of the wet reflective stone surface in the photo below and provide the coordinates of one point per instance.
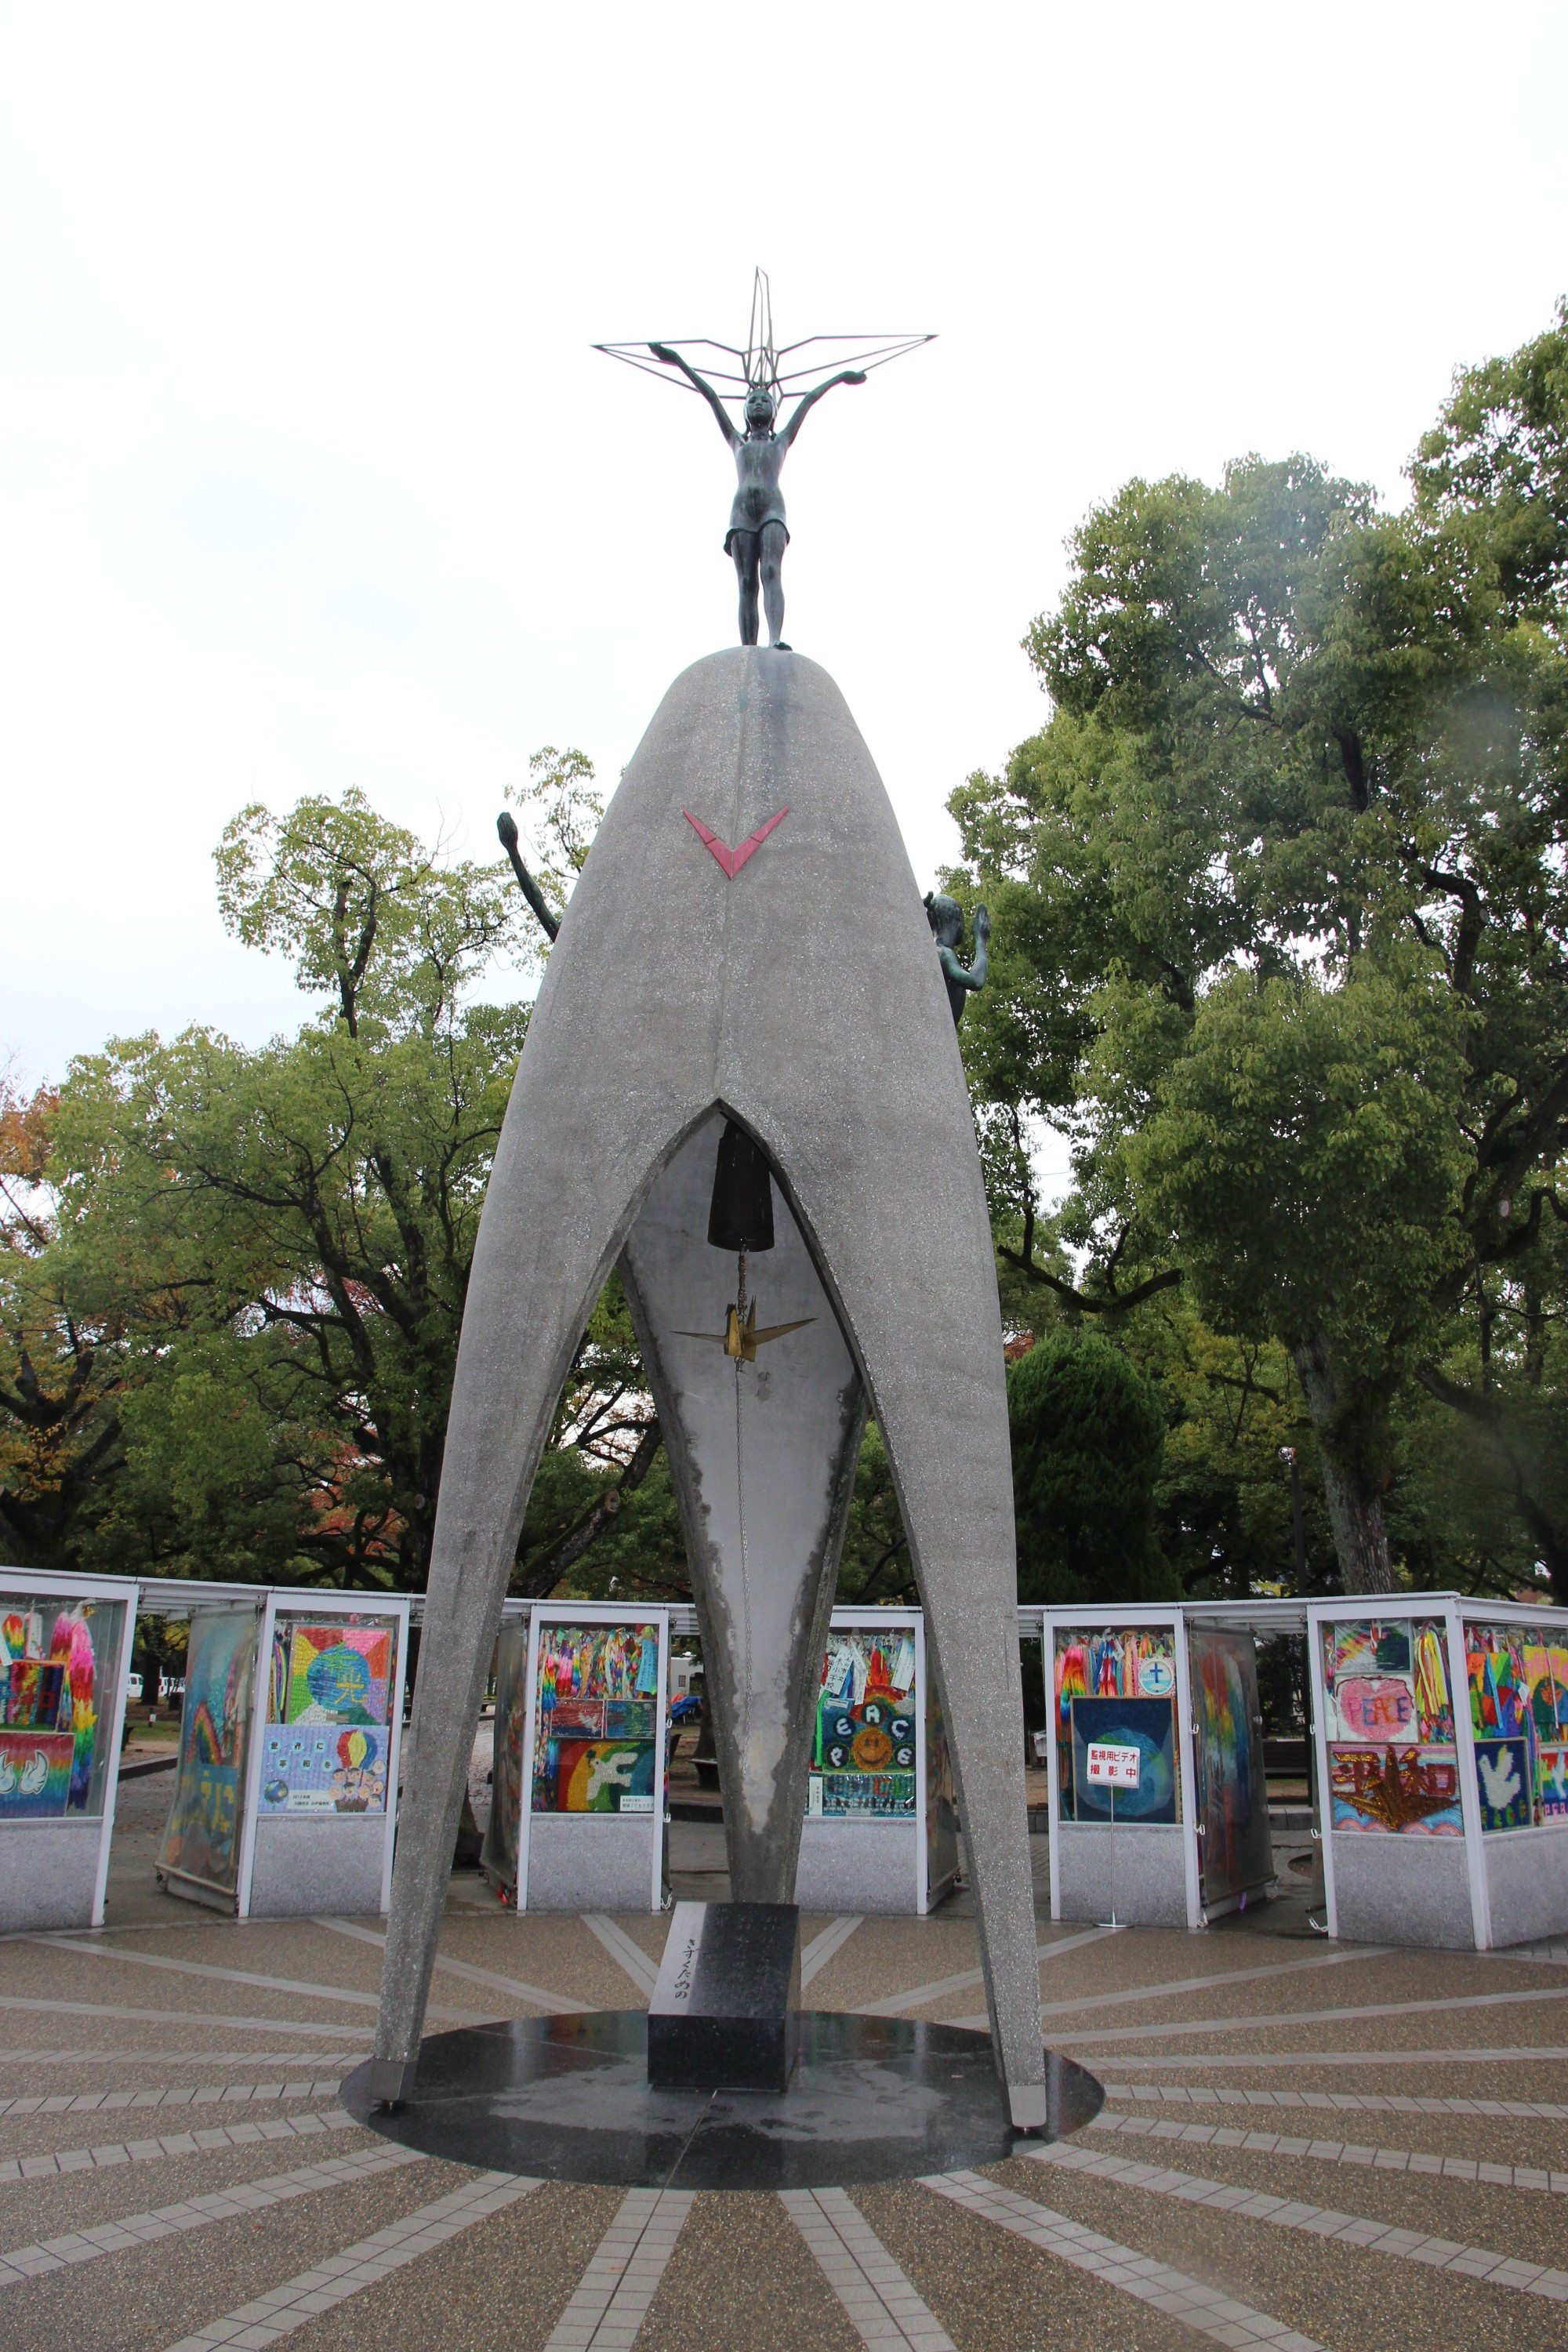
(568, 2098)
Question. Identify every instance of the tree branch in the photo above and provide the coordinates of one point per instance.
(540, 1578)
(1109, 1302)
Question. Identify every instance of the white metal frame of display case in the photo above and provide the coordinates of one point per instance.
(1132, 1619)
(318, 1829)
(17, 1583)
(587, 1826)
(1546, 1840)
(820, 1836)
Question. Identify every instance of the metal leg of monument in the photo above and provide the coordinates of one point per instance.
(455, 1649)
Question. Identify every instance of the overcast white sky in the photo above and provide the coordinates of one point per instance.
(308, 476)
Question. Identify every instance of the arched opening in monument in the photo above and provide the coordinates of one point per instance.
(762, 1408)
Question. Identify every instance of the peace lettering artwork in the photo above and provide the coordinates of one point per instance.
(863, 1757)
(1387, 1683)
(1372, 1708)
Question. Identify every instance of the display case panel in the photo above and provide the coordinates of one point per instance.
(940, 1795)
(591, 1834)
(1119, 1686)
(326, 1745)
(200, 1855)
(865, 1761)
(596, 1725)
(498, 1857)
(1393, 1761)
(1233, 1789)
(59, 1653)
(881, 1832)
(322, 1789)
(1518, 1690)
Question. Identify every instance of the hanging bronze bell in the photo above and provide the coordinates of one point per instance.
(740, 1216)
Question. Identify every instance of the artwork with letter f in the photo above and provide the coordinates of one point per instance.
(1147, 1724)
(200, 1843)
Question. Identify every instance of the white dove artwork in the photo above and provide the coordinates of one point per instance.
(1501, 1782)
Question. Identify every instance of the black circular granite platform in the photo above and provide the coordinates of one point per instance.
(567, 2098)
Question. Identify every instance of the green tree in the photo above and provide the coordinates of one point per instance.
(234, 1279)
(1088, 1432)
(1298, 820)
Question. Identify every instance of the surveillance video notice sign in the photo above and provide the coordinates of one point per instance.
(1119, 1766)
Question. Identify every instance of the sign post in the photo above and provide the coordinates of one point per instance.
(1118, 1767)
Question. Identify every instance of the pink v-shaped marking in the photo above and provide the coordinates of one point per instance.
(732, 860)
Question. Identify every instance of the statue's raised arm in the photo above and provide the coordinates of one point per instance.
(844, 375)
(662, 352)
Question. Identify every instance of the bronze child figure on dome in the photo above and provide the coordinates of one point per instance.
(758, 533)
(759, 380)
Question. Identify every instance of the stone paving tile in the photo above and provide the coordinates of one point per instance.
(1467, 2211)
(980, 2285)
(549, 1950)
(1322, 2286)
(167, 2287)
(88, 2196)
(993, 2293)
(1187, 2095)
(886, 2309)
(88, 1972)
(58, 2123)
(170, 2097)
(1151, 2133)
(1208, 2310)
(268, 2318)
(884, 1955)
(742, 2275)
(608, 2304)
(205, 2133)
(501, 2286)
(87, 2241)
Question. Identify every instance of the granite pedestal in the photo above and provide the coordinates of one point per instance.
(725, 2011)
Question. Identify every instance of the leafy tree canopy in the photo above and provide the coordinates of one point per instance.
(1278, 927)
(232, 1280)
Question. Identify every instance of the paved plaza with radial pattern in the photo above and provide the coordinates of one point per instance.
(1302, 2144)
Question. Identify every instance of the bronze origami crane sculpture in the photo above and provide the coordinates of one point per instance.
(741, 1339)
